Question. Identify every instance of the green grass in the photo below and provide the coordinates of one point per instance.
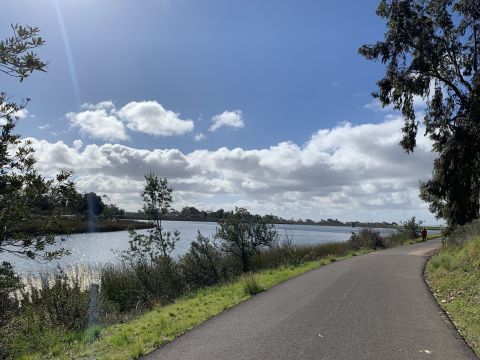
(419, 239)
(162, 324)
(454, 277)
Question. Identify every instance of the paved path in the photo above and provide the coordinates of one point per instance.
(375, 306)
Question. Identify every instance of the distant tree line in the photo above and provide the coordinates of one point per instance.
(190, 213)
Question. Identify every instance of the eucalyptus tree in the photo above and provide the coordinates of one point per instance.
(431, 52)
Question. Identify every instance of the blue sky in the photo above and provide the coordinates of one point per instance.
(279, 72)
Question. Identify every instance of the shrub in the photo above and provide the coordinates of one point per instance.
(287, 254)
(396, 239)
(59, 302)
(459, 235)
(366, 238)
(411, 228)
(9, 282)
(142, 283)
(202, 264)
(242, 234)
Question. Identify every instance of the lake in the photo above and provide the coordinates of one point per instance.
(92, 249)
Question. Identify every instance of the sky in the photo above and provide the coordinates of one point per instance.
(261, 104)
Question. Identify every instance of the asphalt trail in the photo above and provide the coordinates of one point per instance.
(374, 306)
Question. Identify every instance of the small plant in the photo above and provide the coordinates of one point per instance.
(92, 334)
(251, 285)
(136, 349)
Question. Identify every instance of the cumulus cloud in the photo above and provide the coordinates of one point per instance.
(77, 144)
(98, 122)
(151, 118)
(350, 172)
(232, 119)
(104, 121)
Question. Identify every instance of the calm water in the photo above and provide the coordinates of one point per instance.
(100, 248)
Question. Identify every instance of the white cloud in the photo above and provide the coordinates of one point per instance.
(21, 114)
(105, 105)
(231, 119)
(104, 121)
(45, 126)
(419, 104)
(151, 118)
(100, 123)
(77, 144)
(199, 137)
(376, 106)
(350, 172)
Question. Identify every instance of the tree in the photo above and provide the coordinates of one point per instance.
(156, 244)
(24, 194)
(431, 51)
(241, 234)
(411, 228)
(22, 189)
(93, 204)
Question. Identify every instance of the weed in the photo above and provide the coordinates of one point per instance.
(251, 285)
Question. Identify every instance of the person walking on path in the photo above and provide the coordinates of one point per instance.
(424, 234)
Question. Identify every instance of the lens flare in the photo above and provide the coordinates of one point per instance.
(68, 51)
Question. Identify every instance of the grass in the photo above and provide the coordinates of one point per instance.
(419, 239)
(454, 277)
(162, 324)
(251, 285)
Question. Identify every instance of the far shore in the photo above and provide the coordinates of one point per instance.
(78, 226)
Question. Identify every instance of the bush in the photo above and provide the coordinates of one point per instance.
(396, 239)
(459, 235)
(202, 265)
(366, 238)
(287, 254)
(60, 302)
(139, 284)
(9, 282)
(242, 234)
(411, 228)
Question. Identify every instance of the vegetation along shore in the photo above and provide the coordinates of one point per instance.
(150, 298)
(453, 274)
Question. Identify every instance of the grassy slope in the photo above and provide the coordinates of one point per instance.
(454, 276)
(162, 324)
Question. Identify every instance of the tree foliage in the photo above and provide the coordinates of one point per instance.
(242, 234)
(23, 191)
(24, 194)
(157, 243)
(431, 51)
(16, 56)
